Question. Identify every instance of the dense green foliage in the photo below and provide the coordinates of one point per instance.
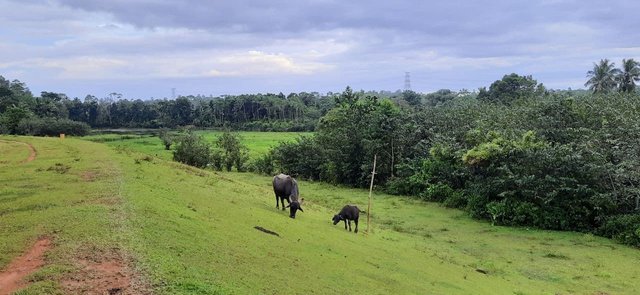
(227, 151)
(511, 88)
(230, 152)
(346, 140)
(252, 112)
(192, 150)
(516, 155)
(259, 112)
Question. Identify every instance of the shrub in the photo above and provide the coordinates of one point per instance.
(455, 200)
(217, 159)
(477, 206)
(167, 139)
(411, 179)
(192, 150)
(233, 152)
(302, 158)
(438, 193)
(264, 164)
(623, 228)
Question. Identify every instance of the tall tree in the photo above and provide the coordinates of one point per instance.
(602, 78)
(511, 88)
(628, 75)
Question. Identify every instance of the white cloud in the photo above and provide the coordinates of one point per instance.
(190, 64)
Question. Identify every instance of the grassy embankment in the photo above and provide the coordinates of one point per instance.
(192, 231)
(71, 193)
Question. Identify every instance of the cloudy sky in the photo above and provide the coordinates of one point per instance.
(143, 48)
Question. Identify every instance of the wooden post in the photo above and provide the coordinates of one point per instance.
(373, 173)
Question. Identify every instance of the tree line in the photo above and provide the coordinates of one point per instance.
(20, 111)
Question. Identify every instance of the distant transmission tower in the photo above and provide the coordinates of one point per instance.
(173, 93)
(407, 81)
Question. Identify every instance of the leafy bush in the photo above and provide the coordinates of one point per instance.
(302, 158)
(409, 186)
(456, 200)
(192, 150)
(410, 180)
(438, 193)
(217, 159)
(623, 228)
(232, 151)
(11, 117)
(167, 139)
(477, 206)
(264, 164)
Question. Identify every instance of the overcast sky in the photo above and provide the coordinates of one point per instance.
(143, 48)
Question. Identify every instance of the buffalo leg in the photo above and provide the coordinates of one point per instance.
(277, 203)
(283, 203)
(349, 224)
(356, 222)
(345, 224)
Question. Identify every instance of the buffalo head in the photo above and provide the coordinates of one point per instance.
(294, 207)
(336, 219)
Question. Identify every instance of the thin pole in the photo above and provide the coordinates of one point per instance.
(373, 173)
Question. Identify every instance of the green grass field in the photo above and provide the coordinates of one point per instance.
(190, 231)
(258, 143)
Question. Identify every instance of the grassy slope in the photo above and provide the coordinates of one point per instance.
(78, 207)
(12, 153)
(197, 233)
(192, 232)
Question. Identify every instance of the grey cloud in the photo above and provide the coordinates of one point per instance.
(465, 28)
(454, 43)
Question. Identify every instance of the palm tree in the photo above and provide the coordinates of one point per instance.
(628, 76)
(602, 78)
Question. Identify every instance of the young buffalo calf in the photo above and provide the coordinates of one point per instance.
(347, 213)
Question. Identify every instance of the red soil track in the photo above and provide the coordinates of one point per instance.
(11, 278)
(33, 154)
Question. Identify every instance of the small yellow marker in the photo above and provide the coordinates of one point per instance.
(61, 135)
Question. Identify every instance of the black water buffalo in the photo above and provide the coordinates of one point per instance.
(286, 188)
(348, 213)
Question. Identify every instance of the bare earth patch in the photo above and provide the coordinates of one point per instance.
(12, 278)
(103, 273)
(32, 155)
(89, 175)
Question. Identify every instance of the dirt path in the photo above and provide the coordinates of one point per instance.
(11, 279)
(33, 153)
